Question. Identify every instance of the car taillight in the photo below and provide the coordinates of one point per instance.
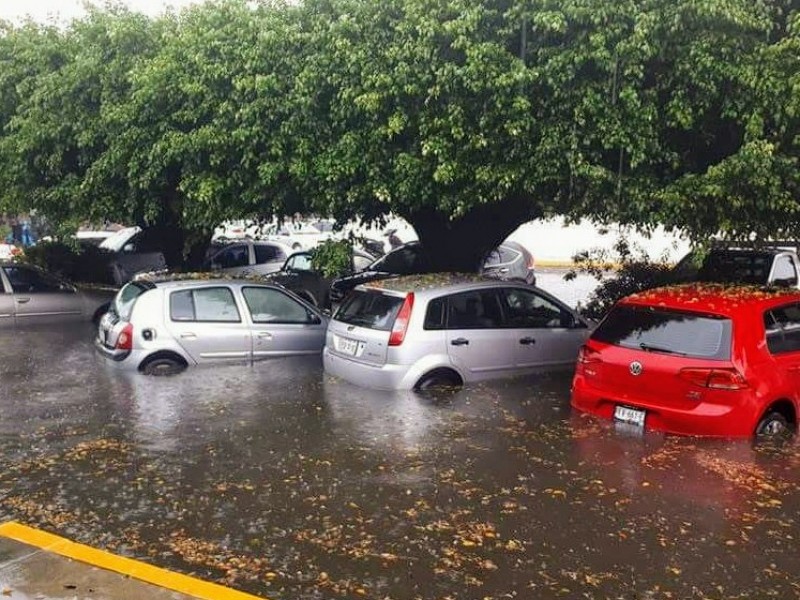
(716, 379)
(588, 355)
(401, 321)
(125, 338)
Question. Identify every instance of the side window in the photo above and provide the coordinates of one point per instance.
(435, 317)
(299, 262)
(210, 305)
(361, 262)
(266, 253)
(267, 305)
(783, 329)
(235, 256)
(24, 280)
(525, 308)
(784, 273)
(479, 309)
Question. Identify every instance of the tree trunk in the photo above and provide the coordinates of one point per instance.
(461, 244)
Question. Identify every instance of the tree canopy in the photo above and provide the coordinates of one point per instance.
(466, 117)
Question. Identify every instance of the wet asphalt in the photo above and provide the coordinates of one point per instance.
(277, 480)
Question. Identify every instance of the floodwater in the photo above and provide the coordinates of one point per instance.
(280, 481)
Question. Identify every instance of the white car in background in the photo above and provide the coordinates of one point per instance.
(248, 257)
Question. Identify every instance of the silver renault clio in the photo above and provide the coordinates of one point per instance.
(161, 327)
(432, 330)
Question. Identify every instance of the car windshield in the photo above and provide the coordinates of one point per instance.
(373, 310)
(407, 260)
(671, 332)
(126, 297)
(116, 241)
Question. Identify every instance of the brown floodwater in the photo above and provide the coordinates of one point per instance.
(278, 480)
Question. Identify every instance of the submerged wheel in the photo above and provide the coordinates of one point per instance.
(437, 380)
(774, 425)
(163, 366)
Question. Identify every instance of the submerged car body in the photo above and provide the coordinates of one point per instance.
(164, 326)
(440, 329)
(32, 296)
(696, 359)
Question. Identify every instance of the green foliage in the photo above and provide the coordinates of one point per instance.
(620, 273)
(466, 117)
(332, 258)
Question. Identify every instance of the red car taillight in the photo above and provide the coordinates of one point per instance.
(125, 338)
(588, 355)
(716, 379)
(401, 321)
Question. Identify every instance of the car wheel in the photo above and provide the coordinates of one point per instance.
(774, 426)
(437, 380)
(163, 366)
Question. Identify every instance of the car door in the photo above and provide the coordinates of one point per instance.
(476, 342)
(40, 298)
(546, 333)
(6, 303)
(208, 324)
(282, 325)
(782, 327)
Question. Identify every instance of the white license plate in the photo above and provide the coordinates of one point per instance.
(634, 416)
(348, 346)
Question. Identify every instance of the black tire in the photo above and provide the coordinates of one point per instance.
(436, 380)
(774, 426)
(163, 366)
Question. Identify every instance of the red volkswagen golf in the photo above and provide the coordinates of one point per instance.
(700, 359)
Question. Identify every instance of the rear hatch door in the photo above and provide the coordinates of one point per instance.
(361, 328)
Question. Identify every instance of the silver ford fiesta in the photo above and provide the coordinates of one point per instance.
(443, 329)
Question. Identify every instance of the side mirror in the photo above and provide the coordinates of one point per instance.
(313, 318)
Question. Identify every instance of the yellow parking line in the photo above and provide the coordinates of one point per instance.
(126, 566)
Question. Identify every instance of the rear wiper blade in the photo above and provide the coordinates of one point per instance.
(650, 348)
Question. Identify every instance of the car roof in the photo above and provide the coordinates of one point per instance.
(432, 281)
(190, 280)
(714, 298)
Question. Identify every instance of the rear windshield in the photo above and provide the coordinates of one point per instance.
(373, 310)
(671, 332)
(126, 298)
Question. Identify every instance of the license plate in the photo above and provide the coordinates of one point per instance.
(348, 346)
(634, 416)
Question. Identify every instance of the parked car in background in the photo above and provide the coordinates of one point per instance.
(31, 296)
(441, 329)
(512, 261)
(298, 275)
(130, 251)
(248, 257)
(160, 327)
(774, 264)
(701, 359)
(509, 261)
(301, 234)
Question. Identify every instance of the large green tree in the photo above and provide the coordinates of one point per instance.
(465, 117)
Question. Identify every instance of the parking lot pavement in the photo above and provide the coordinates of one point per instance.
(39, 566)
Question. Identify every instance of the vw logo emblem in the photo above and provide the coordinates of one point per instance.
(636, 368)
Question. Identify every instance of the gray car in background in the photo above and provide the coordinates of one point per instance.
(440, 329)
(161, 327)
(32, 296)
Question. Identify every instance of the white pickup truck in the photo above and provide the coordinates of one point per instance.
(776, 264)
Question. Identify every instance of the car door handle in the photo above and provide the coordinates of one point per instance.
(264, 335)
(527, 341)
(460, 342)
(189, 336)
(23, 300)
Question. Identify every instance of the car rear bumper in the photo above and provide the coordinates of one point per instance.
(379, 377)
(737, 419)
(112, 354)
